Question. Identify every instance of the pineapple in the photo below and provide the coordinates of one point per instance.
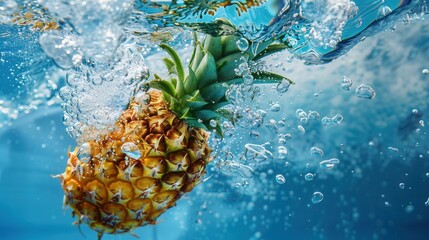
(159, 149)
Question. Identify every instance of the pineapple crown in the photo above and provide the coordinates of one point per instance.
(198, 94)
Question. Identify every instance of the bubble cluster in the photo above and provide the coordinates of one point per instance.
(96, 94)
(327, 19)
(7, 8)
(333, 121)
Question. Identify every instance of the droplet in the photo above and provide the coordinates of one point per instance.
(283, 86)
(402, 185)
(315, 151)
(242, 44)
(346, 83)
(317, 197)
(309, 177)
(131, 150)
(280, 179)
(365, 91)
(84, 152)
(330, 163)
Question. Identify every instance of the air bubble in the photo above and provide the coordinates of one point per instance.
(365, 91)
(213, 123)
(257, 153)
(280, 179)
(131, 150)
(346, 83)
(393, 149)
(427, 202)
(409, 208)
(313, 115)
(231, 168)
(309, 177)
(315, 151)
(275, 107)
(422, 123)
(425, 71)
(84, 152)
(383, 11)
(301, 129)
(334, 121)
(282, 152)
(330, 163)
(317, 197)
(242, 44)
(402, 185)
(283, 86)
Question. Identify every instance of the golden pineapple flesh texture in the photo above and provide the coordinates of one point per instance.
(130, 176)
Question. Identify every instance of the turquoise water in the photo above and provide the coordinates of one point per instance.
(378, 190)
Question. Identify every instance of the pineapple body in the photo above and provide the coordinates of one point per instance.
(130, 176)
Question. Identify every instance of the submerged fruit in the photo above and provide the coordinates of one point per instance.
(116, 189)
(159, 150)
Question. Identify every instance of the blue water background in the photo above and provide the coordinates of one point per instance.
(362, 200)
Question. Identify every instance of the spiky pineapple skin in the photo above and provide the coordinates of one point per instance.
(114, 193)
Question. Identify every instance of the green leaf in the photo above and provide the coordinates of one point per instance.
(219, 105)
(207, 115)
(257, 47)
(226, 66)
(196, 104)
(164, 86)
(214, 92)
(228, 114)
(170, 66)
(271, 49)
(194, 34)
(269, 77)
(206, 72)
(191, 81)
(199, 54)
(229, 45)
(173, 54)
(180, 89)
(213, 45)
(195, 123)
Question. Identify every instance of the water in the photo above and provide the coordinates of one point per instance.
(267, 181)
